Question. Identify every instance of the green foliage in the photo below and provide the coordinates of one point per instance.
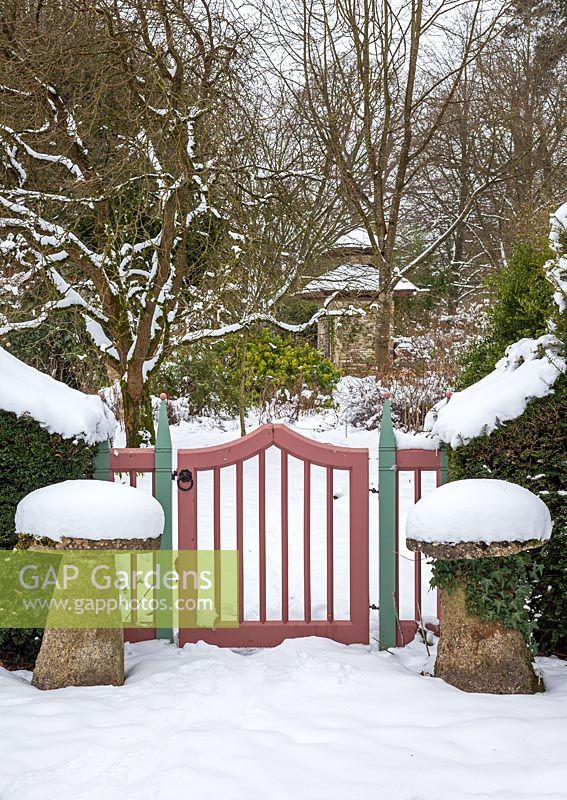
(278, 364)
(532, 451)
(524, 304)
(31, 458)
(496, 589)
(209, 373)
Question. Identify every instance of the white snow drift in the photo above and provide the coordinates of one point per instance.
(479, 510)
(529, 370)
(90, 510)
(54, 405)
(309, 720)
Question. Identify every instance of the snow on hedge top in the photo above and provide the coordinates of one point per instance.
(528, 370)
(90, 510)
(479, 510)
(54, 405)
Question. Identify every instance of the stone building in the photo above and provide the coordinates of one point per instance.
(350, 342)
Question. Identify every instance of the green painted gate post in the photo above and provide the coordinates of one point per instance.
(101, 462)
(163, 483)
(387, 529)
(444, 464)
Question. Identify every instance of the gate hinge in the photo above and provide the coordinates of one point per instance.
(374, 607)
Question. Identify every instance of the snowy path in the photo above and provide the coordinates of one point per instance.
(309, 720)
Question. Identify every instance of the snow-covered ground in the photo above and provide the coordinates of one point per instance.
(309, 720)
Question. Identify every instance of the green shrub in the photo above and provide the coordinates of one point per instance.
(532, 451)
(276, 366)
(523, 305)
(31, 458)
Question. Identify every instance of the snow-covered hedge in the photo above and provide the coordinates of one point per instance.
(512, 425)
(48, 434)
(528, 371)
(25, 391)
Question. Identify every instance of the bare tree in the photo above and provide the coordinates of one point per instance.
(375, 80)
(123, 191)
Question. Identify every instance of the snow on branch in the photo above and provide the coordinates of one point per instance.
(264, 316)
(64, 161)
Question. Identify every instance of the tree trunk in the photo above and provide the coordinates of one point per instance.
(242, 387)
(137, 406)
(384, 330)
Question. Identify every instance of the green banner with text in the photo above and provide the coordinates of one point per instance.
(119, 589)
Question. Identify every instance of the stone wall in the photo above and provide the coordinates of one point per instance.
(349, 342)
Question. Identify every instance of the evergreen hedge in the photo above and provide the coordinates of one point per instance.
(30, 458)
(532, 449)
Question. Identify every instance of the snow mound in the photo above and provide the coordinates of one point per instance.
(529, 370)
(479, 510)
(90, 510)
(54, 405)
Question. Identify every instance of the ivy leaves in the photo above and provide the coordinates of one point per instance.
(497, 589)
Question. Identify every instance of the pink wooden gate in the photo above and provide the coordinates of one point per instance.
(418, 462)
(264, 632)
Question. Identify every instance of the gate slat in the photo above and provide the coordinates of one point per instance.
(217, 536)
(193, 513)
(307, 540)
(359, 547)
(330, 548)
(262, 530)
(217, 509)
(240, 537)
(285, 528)
(417, 555)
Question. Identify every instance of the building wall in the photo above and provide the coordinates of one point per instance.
(349, 342)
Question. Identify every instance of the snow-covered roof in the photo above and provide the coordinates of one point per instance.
(54, 405)
(479, 510)
(529, 370)
(94, 510)
(354, 279)
(356, 238)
